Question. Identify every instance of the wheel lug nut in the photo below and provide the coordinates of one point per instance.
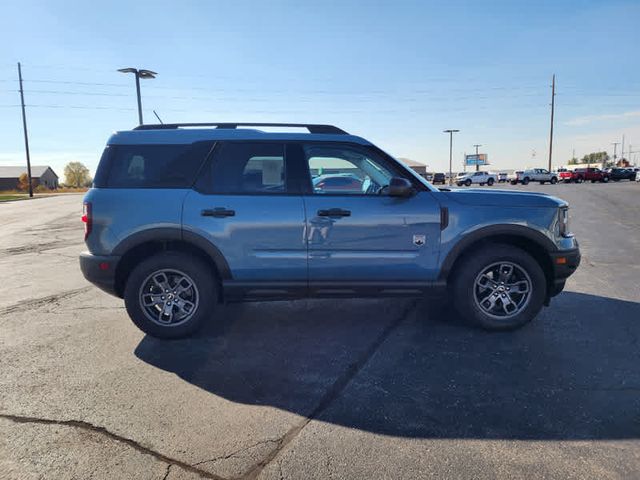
(162, 297)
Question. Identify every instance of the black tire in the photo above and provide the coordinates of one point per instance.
(579, 180)
(459, 184)
(490, 182)
(542, 182)
(605, 179)
(467, 182)
(554, 180)
(525, 181)
(463, 287)
(204, 291)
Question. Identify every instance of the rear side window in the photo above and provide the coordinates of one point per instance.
(243, 168)
(155, 166)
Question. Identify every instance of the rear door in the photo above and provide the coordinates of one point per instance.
(246, 205)
(361, 236)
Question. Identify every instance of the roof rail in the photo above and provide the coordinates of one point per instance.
(313, 128)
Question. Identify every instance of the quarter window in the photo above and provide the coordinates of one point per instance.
(154, 166)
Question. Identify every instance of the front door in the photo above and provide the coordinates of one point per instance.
(244, 205)
(356, 233)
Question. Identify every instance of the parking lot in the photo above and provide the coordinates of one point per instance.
(320, 389)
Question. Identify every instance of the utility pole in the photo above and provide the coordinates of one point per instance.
(553, 103)
(622, 151)
(615, 150)
(450, 132)
(24, 127)
(477, 156)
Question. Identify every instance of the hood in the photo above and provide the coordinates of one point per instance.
(503, 198)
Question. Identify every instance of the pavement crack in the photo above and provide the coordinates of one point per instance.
(330, 395)
(82, 425)
(238, 452)
(166, 472)
(39, 302)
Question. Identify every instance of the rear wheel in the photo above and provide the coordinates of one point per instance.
(554, 180)
(467, 183)
(579, 180)
(499, 287)
(170, 295)
(605, 179)
(525, 181)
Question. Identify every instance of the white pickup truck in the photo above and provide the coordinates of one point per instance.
(477, 177)
(537, 175)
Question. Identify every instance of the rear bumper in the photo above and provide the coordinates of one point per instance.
(565, 263)
(100, 270)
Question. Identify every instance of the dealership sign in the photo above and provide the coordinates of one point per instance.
(476, 159)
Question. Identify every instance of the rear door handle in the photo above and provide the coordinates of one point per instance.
(218, 212)
(334, 212)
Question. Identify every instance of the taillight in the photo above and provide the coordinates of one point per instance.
(87, 219)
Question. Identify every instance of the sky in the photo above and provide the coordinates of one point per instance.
(395, 72)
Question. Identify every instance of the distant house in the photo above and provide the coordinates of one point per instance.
(41, 175)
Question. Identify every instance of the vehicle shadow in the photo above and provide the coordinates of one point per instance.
(571, 374)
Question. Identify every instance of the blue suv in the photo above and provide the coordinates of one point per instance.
(182, 217)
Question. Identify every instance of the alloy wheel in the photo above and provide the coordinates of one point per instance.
(168, 297)
(502, 290)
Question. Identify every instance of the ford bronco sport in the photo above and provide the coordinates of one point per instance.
(182, 217)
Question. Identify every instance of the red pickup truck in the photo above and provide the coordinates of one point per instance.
(566, 176)
(590, 174)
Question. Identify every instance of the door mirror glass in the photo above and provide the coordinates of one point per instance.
(399, 187)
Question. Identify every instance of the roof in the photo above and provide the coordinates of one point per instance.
(190, 135)
(411, 163)
(14, 172)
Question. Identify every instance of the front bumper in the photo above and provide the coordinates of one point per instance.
(100, 270)
(564, 262)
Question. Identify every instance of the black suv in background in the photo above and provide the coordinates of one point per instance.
(617, 174)
(439, 178)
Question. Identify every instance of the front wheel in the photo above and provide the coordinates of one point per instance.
(579, 180)
(554, 180)
(467, 183)
(499, 287)
(605, 179)
(525, 181)
(170, 295)
(490, 182)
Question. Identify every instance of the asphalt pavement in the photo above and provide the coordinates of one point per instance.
(319, 388)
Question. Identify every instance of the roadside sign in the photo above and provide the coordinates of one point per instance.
(476, 159)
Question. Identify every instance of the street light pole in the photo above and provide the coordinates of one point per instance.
(451, 132)
(139, 73)
(477, 157)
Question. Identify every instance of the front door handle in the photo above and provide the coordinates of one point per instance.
(334, 212)
(218, 212)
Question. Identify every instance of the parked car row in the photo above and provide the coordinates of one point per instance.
(592, 174)
(540, 175)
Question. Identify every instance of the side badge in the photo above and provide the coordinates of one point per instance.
(419, 240)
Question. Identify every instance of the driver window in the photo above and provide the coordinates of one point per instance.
(345, 171)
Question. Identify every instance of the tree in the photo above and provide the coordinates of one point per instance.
(76, 175)
(595, 157)
(23, 182)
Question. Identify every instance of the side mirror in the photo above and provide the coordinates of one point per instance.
(400, 187)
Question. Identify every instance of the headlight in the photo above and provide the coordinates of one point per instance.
(563, 222)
